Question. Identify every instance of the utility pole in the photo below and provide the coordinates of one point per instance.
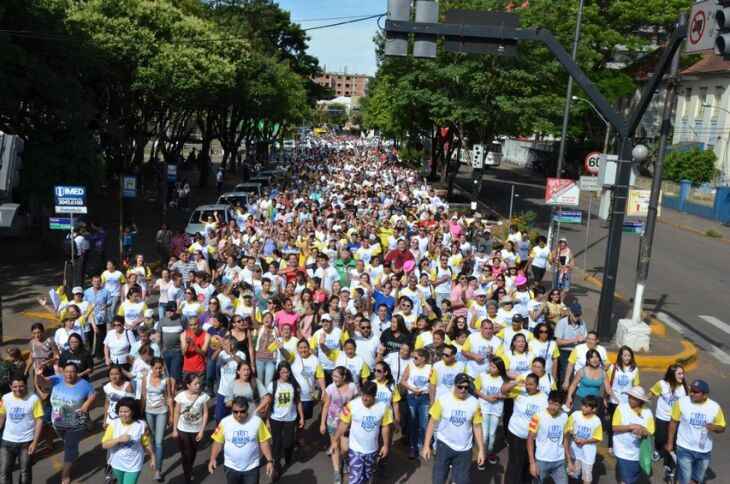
(569, 94)
(656, 183)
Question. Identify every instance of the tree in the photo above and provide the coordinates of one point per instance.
(695, 165)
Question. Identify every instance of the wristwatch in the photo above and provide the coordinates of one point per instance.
(270, 461)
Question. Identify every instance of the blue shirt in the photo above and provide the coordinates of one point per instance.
(66, 401)
(381, 298)
(100, 298)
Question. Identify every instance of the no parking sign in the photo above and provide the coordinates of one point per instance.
(591, 162)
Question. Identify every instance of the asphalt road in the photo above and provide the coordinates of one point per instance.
(688, 276)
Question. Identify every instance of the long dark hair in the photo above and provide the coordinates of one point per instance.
(499, 363)
(671, 378)
(389, 380)
(292, 381)
(619, 358)
(401, 322)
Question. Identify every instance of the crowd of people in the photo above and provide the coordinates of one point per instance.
(349, 283)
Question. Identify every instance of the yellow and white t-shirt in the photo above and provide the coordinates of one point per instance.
(128, 456)
(419, 377)
(549, 432)
(357, 366)
(456, 417)
(307, 371)
(112, 282)
(387, 394)
(626, 444)
(241, 441)
(622, 381)
(131, 311)
(284, 408)
(20, 416)
(545, 349)
(578, 356)
(334, 340)
(190, 309)
(507, 334)
(490, 385)
(290, 345)
(442, 376)
(476, 343)
(585, 428)
(526, 406)
(426, 338)
(666, 399)
(539, 256)
(519, 363)
(365, 423)
(545, 384)
(692, 418)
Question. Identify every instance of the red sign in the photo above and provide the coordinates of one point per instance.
(562, 191)
(697, 27)
(591, 162)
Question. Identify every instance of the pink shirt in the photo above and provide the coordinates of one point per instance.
(283, 318)
(455, 229)
(456, 294)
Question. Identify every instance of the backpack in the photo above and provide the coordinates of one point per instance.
(67, 247)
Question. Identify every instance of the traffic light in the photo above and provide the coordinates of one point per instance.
(396, 43)
(11, 148)
(722, 26)
(425, 45)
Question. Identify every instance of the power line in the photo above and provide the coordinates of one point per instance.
(326, 18)
(344, 23)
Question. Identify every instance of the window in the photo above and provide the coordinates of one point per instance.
(716, 102)
(687, 101)
(701, 102)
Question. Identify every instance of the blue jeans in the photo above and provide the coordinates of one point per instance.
(71, 439)
(10, 452)
(460, 462)
(563, 285)
(161, 310)
(211, 374)
(692, 465)
(628, 471)
(221, 411)
(173, 361)
(489, 431)
(238, 477)
(156, 423)
(556, 470)
(418, 417)
(265, 371)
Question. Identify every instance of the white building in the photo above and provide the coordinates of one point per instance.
(703, 108)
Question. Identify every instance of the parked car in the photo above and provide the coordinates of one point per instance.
(264, 180)
(201, 213)
(240, 197)
(249, 187)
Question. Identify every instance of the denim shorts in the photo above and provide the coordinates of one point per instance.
(627, 471)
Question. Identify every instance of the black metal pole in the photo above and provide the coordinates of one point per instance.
(648, 238)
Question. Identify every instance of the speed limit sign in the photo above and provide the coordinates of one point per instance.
(591, 162)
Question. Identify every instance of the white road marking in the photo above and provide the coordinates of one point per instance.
(700, 341)
(722, 326)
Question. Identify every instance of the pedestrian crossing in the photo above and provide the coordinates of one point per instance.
(713, 350)
(721, 325)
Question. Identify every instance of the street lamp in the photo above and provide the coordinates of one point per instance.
(727, 138)
(608, 125)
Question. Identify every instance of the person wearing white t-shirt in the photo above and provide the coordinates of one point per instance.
(457, 418)
(583, 432)
(545, 442)
(244, 438)
(367, 419)
(127, 439)
(22, 429)
(286, 412)
(694, 419)
(480, 348)
(631, 422)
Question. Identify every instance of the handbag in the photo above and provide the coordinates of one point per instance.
(646, 449)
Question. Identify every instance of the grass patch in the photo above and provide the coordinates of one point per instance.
(714, 234)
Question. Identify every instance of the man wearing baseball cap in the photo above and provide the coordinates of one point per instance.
(631, 422)
(458, 417)
(694, 419)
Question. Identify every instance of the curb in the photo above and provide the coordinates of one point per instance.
(657, 327)
(687, 357)
(691, 229)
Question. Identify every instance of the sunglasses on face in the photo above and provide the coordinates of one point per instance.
(448, 355)
(377, 370)
(462, 387)
(238, 412)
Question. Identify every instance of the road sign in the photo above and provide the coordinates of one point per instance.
(129, 186)
(568, 216)
(171, 173)
(633, 227)
(562, 191)
(702, 30)
(592, 163)
(60, 223)
(589, 184)
(70, 199)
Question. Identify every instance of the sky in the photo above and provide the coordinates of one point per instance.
(347, 47)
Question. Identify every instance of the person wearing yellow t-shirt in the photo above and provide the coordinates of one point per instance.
(583, 432)
(243, 439)
(694, 419)
(545, 447)
(127, 438)
(367, 420)
(631, 422)
(457, 418)
(22, 430)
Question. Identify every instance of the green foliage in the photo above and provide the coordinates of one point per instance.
(695, 165)
(713, 234)
(411, 151)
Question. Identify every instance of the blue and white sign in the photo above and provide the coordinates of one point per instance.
(171, 173)
(129, 186)
(70, 199)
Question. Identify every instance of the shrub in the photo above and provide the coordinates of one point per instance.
(695, 165)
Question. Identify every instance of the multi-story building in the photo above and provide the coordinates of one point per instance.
(343, 83)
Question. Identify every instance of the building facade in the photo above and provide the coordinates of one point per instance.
(343, 83)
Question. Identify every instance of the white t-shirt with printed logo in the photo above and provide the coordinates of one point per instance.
(549, 432)
(585, 428)
(365, 423)
(20, 416)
